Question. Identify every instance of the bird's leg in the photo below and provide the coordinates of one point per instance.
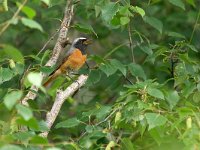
(68, 74)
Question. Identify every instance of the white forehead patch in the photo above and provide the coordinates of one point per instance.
(80, 38)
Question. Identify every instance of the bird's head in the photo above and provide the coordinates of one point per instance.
(81, 43)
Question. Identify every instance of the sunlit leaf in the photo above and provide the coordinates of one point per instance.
(11, 98)
(68, 123)
(24, 111)
(31, 24)
(155, 120)
(155, 93)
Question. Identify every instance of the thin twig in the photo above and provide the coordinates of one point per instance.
(60, 99)
(195, 25)
(131, 43)
(57, 48)
(14, 16)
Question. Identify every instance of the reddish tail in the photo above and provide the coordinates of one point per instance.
(51, 78)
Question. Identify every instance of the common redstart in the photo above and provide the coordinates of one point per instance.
(74, 60)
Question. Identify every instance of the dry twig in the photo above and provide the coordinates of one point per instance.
(59, 100)
(57, 48)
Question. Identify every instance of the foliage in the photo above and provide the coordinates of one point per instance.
(143, 89)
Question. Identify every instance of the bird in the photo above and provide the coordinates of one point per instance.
(74, 60)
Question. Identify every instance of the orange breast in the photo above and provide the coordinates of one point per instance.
(76, 60)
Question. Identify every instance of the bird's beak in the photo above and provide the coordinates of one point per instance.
(87, 42)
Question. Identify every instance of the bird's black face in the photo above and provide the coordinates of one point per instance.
(82, 44)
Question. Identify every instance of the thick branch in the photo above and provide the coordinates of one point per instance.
(61, 96)
(57, 48)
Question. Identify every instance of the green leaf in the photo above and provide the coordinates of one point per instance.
(10, 147)
(85, 28)
(5, 75)
(146, 49)
(127, 144)
(108, 69)
(31, 24)
(192, 48)
(109, 10)
(196, 97)
(12, 53)
(175, 34)
(47, 2)
(172, 98)
(97, 10)
(35, 78)
(154, 22)
(24, 111)
(124, 20)
(119, 66)
(11, 98)
(137, 71)
(155, 120)
(68, 123)
(22, 136)
(191, 2)
(5, 5)
(28, 11)
(31, 123)
(53, 148)
(102, 111)
(138, 10)
(94, 77)
(38, 140)
(155, 93)
(178, 3)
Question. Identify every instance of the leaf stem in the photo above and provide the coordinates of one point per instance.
(195, 25)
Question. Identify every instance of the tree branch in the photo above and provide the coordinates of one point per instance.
(7, 24)
(57, 48)
(61, 96)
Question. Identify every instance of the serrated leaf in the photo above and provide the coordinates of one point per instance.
(85, 28)
(155, 93)
(119, 66)
(11, 98)
(178, 3)
(147, 50)
(155, 120)
(24, 111)
(137, 71)
(154, 22)
(108, 69)
(94, 77)
(31, 24)
(172, 98)
(68, 123)
(109, 10)
(102, 111)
